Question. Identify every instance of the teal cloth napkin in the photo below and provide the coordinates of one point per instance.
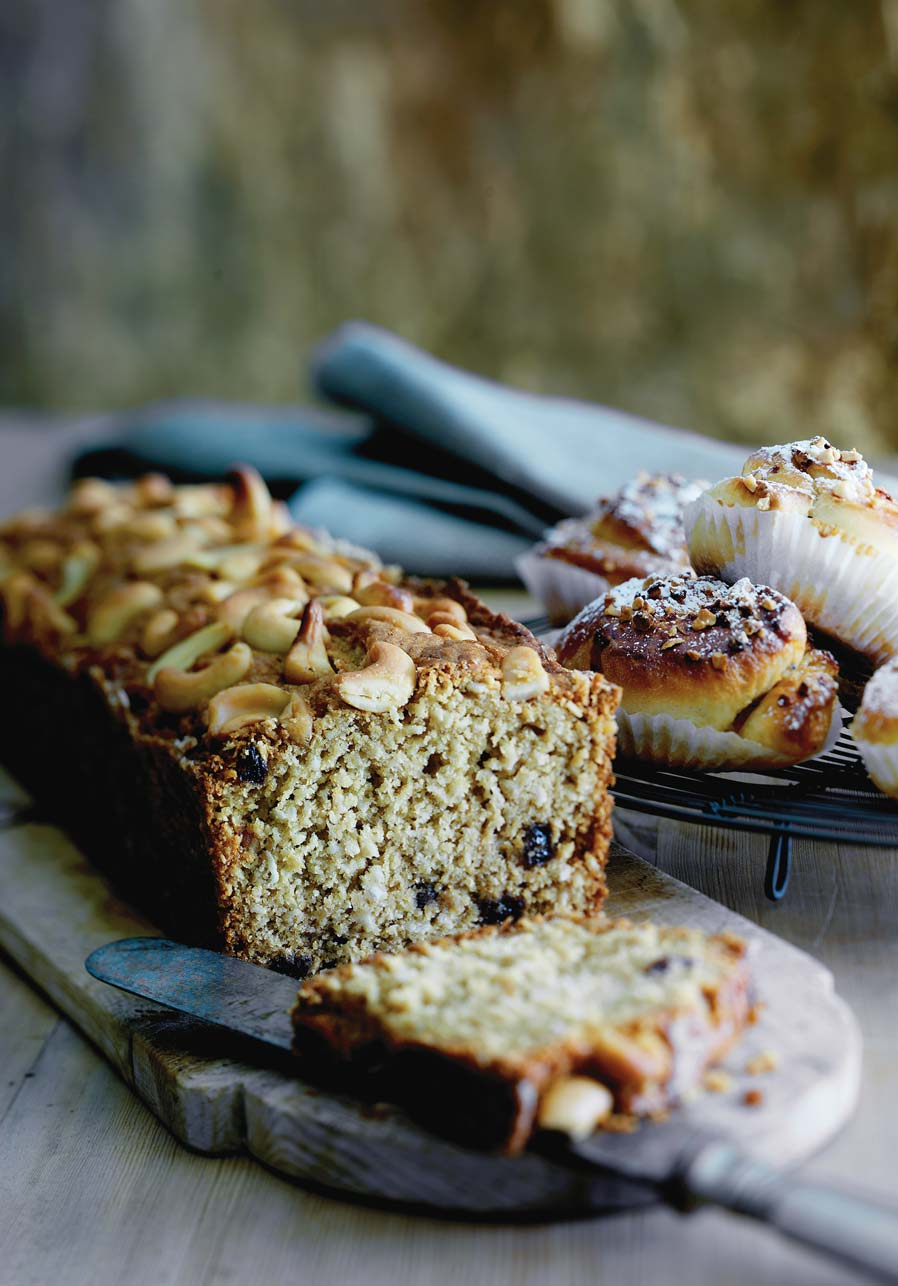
(436, 468)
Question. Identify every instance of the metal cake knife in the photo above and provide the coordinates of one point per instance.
(681, 1164)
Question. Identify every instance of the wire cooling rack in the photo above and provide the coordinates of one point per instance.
(829, 798)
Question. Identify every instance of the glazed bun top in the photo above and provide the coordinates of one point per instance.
(814, 467)
(636, 531)
(816, 480)
(695, 648)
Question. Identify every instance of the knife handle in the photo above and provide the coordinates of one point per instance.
(849, 1228)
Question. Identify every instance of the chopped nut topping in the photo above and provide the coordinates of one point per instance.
(768, 604)
(749, 482)
(704, 620)
(717, 1081)
(693, 655)
(670, 643)
(764, 503)
(718, 660)
(765, 1061)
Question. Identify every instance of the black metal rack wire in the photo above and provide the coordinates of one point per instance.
(829, 798)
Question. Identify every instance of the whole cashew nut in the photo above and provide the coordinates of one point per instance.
(458, 633)
(268, 627)
(336, 606)
(386, 682)
(251, 515)
(379, 593)
(165, 553)
(178, 690)
(307, 659)
(235, 707)
(297, 719)
(401, 620)
(112, 615)
(186, 652)
(237, 607)
(77, 570)
(523, 675)
(159, 631)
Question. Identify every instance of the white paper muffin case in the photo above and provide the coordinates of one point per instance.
(662, 739)
(843, 588)
(562, 588)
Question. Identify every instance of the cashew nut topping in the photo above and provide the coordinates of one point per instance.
(40, 555)
(297, 719)
(89, 495)
(268, 627)
(165, 553)
(77, 570)
(233, 708)
(231, 562)
(186, 652)
(215, 591)
(401, 620)
(427, 607)
(336, 606)
(462, 628)
(251, 515)
(322, 572)
(458, 633)
(386, 682)
(285, 582)
(523, 675)
(158, 632)
(111, 616)
(307, 659)
(17, 590)
(150, 526)
(237, 607)
(576, 1105)
(154, 489)
(379, 593)
(179, 690)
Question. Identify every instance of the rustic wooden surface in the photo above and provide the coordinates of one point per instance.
(217, 1097)
(94, 1190)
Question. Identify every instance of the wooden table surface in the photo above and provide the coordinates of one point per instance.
(94, 1191)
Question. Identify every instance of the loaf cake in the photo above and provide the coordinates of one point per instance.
(713, 675)
(276, 745)
(638, 531)
(808, 519)
(543, 1023)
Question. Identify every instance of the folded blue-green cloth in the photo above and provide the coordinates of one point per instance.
(437, 469)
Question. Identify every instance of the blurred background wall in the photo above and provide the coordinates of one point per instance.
(686, 208)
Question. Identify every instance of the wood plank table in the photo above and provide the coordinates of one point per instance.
(94, 1191)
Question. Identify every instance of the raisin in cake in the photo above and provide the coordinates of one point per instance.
(551, 1023)
(279, 746)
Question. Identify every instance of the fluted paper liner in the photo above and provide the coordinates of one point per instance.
(681, 743)
(562, 588)
(842, 587)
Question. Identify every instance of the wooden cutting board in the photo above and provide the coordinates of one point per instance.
(220, 1096)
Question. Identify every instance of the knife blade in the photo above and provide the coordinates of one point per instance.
(684, 1164)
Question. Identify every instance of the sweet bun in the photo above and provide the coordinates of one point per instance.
(807, 519)
(712, 674)
(638, 531)
(875, 728)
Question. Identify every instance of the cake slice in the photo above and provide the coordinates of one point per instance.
(547, 1022)
(276, 745)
